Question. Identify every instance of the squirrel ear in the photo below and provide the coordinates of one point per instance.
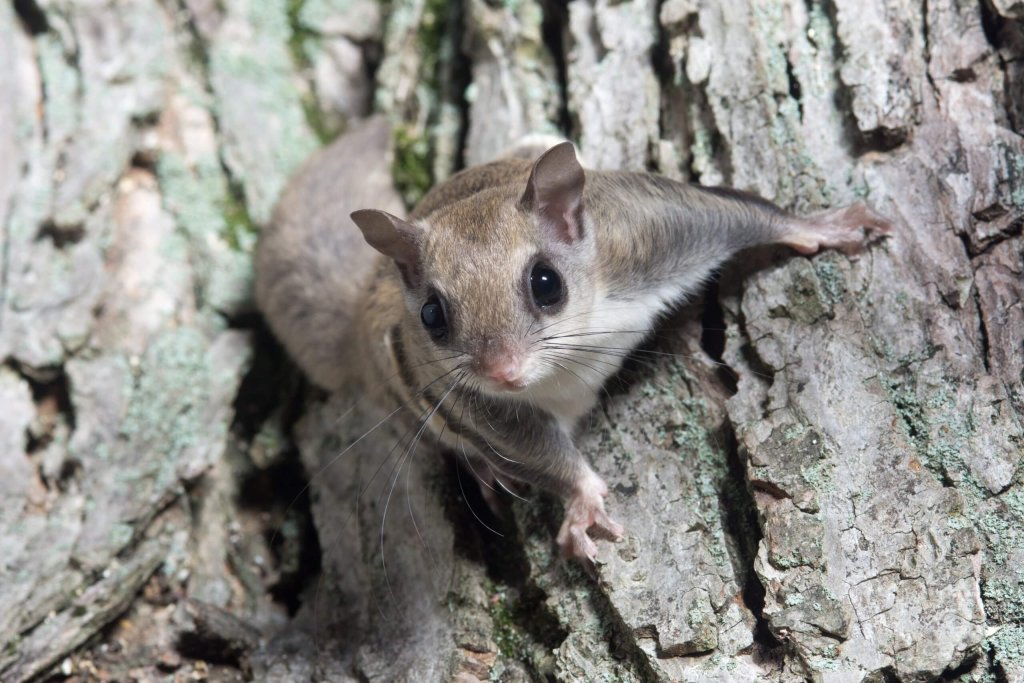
(397, 239)
(554, 193)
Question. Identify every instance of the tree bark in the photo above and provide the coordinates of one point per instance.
(818, 466)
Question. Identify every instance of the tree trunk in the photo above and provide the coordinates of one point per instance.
(818, 468)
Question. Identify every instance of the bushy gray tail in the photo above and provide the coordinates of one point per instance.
(312, 264)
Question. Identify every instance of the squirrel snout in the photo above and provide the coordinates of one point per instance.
(504, 369)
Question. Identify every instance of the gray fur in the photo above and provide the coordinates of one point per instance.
(312, 266)
(654, 231)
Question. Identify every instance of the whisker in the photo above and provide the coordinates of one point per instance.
(577, 361)
(657, 332)
(323, 468)
(387, 417)
(508, 490)
(469, 464)
(461, 444)
(485, 412)
(592, 333)
(563, 320)
(387, 457)
(387, 379)
(562, 348)
(394, 481)
(606, 306)
(615, 377)
(469, 505)
(494, 429)
(622, 352)
(391, 414)
(554, 363)
(408, 497)
(505, 458)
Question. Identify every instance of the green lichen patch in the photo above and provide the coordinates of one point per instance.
(1004, 599)
(703, 150)
(171, 390)
(1002, 526)
(428, 117)
(239, 231)
(412, 168)
(942, 425)
(702, 619)
(1015, 172)
(258, 104)
(830, 275)
(220, 233)
(1014, 502)
(198, 197)
(812, 610)
(783, 85)
(523, 630)
(794, 541)
(433, 23)
(937, 426)
(506, 632)
(819, 77)
(63, 87)
(807, 299)
(698, 447)
(794, 461)
(904, 399)
(1007, 645)
(1004, 531)
(304, 43)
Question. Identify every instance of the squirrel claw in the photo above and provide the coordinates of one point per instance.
(585, 511)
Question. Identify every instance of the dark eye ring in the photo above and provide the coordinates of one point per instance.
(433, 318)
(545, 285)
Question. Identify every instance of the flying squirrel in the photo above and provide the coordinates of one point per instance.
(498, 292)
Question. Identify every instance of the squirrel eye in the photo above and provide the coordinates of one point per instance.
(432, 315)
(545, 285)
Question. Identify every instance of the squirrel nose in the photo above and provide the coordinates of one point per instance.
(503, 371)
(500, 365)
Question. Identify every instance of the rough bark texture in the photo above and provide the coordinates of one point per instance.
(819, 468)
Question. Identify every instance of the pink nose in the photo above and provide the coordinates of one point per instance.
(505, 371)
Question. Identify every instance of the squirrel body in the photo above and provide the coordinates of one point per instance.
(495, 313)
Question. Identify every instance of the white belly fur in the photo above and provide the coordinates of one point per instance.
(618, 326)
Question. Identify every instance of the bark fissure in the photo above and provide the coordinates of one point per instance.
(554, 28)
(743, 525)
(32, 16)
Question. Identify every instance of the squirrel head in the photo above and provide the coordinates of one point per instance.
(489, 280)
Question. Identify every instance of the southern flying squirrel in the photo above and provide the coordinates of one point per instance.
(504, 284)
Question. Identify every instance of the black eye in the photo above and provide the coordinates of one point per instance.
(432, 315)
(545, 285)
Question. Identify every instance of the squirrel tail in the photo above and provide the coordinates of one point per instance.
(312, 263)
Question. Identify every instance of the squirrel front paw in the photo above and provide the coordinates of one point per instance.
(585, 511)
(848, 229)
